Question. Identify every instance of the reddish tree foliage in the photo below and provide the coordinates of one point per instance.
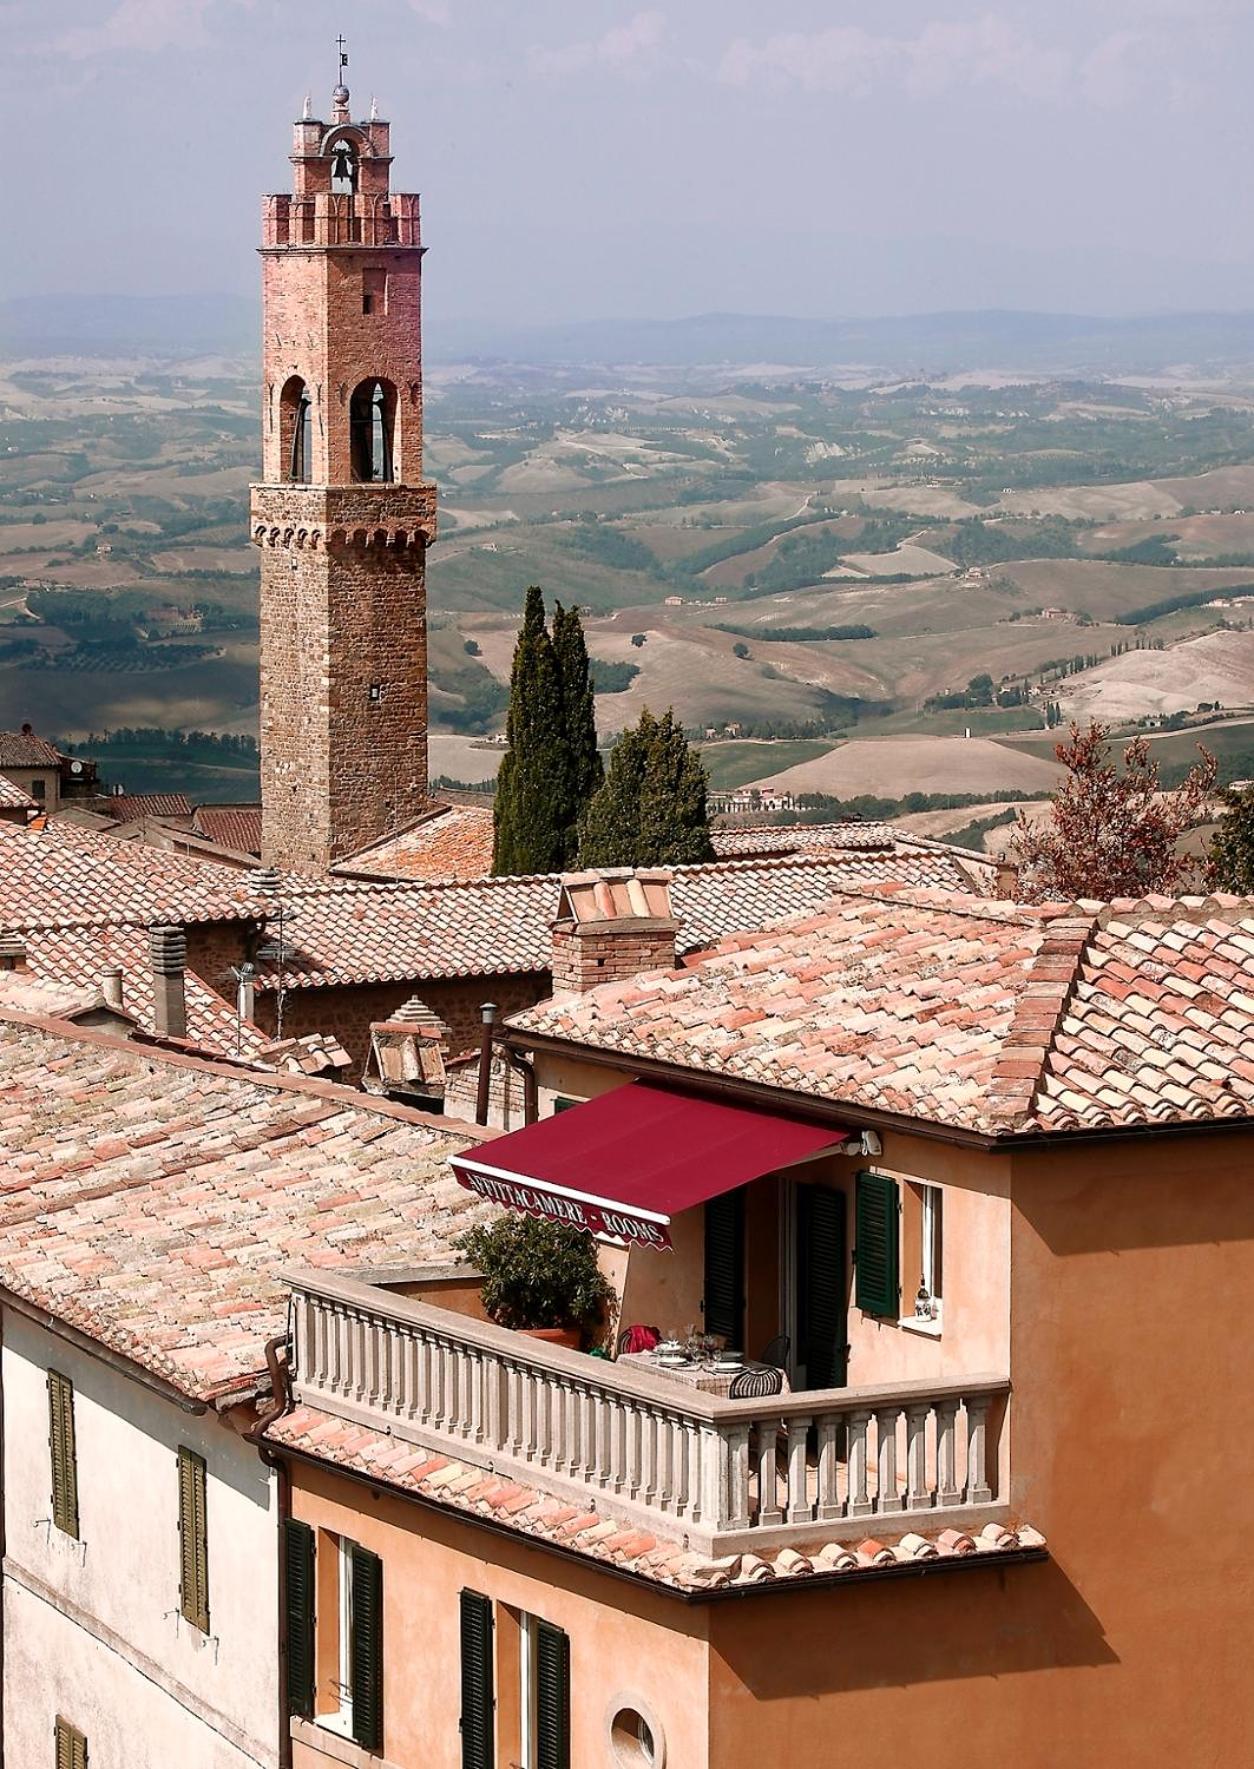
(1111, 833)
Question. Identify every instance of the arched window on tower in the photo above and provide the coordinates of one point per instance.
(297, 431)
(372, 424)
(343, 168)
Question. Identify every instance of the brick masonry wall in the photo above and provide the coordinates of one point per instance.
(611, 952)
(348, 1012)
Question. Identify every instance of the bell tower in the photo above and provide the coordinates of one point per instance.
(343, 516)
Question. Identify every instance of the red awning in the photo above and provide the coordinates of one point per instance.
(628, 1161)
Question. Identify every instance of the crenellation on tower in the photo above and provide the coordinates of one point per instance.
(343, 516)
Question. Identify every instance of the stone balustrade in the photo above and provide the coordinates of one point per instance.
(725, 1474)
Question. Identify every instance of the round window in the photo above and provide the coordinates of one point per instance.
(632, 1738)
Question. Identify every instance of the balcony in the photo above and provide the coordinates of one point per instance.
(730, 1476)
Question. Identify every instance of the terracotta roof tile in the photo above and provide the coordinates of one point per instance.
(61, 875)
(450, 842)
(230, 826)
(22, 749)
(13, 797)
(532, 1512)
(154, 1201)
(131, 807)
(990, 1016)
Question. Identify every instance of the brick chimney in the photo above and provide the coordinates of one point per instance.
(167, 945)
(111, 985)
(610, 926)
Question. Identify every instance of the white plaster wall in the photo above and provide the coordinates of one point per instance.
(99, 1617)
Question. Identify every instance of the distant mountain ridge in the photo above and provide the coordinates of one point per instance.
(909, 345)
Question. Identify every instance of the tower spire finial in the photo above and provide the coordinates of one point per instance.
(340, 96)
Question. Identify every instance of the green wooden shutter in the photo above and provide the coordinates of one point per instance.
(552, 1698)
(298, 1598)
(822, 1348)
(62, 1453)
(875, 1254)
(725, 1267)
(366, 1649)
(478, 1719)
(71, 1746)
(193, 1540)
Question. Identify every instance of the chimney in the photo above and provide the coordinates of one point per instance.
(12, 952)
(610, 926)
(168, 947)
(1007, 881)
(111, 985)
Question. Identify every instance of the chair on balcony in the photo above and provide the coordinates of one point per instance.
(756, 1384)
(776, 1352)
(639, 1338)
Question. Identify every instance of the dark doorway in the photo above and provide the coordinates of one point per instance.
(821, 1309)
(371, 417)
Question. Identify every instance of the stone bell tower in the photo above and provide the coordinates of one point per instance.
(343, 516)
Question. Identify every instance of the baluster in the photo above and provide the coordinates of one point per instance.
(731, 1503)
(631, 1449)
(410, 1358)
(587, 1435)
(829, 1505)
(648, 1456)
(768, 1479)
(511, 1422)
(859, 1500)
(800, 1510)
(947, 1454)
(570, 1402)
(619, 1474)
(693, 1444)
(334, 1349)
(557, 1444)
(372, 1362)
(978, 1490)
(919, 1496)
(887, 1498)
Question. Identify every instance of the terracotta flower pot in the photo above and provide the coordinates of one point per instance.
(554, 1335)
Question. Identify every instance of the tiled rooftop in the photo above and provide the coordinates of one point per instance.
(358, 933)
(61, 875)
(231, 826)
(458, 1486)
(153, 1201)
(451, 842)
(13, 798)
(22, 749)
(130, 807)
(74, 957)
(993, 1017)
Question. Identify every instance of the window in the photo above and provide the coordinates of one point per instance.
(39, 789)
(544, 1695)
(878, 1282)
(374, 291)
(63, 1454)
(296, 427)
(71, 1746)
(358, 1637)
(376, 693)
(344, 167)
(922, 1216)
(193, 1540)
(634, 1741)
(372, 422)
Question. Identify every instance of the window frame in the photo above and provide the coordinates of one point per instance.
(63, 1454)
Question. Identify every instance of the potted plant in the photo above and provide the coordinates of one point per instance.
(539, 1277)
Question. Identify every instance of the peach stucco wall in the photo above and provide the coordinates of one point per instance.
(1133, 1265)
(625, 1642)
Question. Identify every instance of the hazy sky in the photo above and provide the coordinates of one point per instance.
(585, 158)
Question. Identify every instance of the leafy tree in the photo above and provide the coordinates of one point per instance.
(582, 759)
(533, 792)
(1231, 866)
(1111, 832)
(652, 810)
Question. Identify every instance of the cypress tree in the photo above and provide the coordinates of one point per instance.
(584, 772)
(652, 809)
(1231, 862)
(532, 794)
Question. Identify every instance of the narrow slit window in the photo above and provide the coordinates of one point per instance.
(193, 1539)
(374, 291)
(63, 1453)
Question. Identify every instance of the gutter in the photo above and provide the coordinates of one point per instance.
(689, 1597)
(280, 1404)
(833, 1111)
(94, 1348)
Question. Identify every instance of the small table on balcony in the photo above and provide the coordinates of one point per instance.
(699, 1372)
